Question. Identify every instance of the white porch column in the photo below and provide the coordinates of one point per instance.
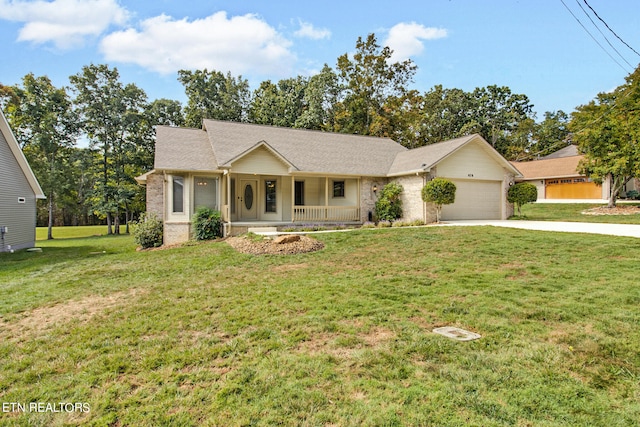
(326, 196)
(293, 198)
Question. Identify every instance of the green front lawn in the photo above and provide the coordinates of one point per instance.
(202, 335)
(73, 232)
(573, 212)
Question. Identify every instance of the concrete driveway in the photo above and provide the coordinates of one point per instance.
(629, 230)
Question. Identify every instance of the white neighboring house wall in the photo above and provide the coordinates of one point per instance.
(19, 190)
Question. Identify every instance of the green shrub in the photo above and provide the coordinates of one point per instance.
(521, 194)
(147, 232)
(439, 191)
(207, 224)
(633, 195)
(389, 204)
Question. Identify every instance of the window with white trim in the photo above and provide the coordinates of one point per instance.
(178, 194)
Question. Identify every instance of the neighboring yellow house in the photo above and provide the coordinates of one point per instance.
(259, 175)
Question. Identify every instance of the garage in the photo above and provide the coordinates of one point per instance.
(475, 200)
(572, 188)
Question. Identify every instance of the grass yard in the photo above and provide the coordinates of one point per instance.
(202, 335)
(73, 232)
(573, 212)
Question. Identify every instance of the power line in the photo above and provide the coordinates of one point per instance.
(602, 34)
(609, 28)
(591, 35)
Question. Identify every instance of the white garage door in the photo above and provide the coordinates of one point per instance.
(475, 200)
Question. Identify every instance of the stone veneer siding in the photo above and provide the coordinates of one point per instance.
(176, 232)
(155, 195)
(367, 197)
(507, 207)
(412, 204)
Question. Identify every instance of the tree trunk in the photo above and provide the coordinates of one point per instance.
(50, 224)
(127, 219)
(116, 223)
(617, 182)
(109, 229)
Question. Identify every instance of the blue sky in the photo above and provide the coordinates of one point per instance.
(536, 47)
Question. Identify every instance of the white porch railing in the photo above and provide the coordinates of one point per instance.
(326, 213)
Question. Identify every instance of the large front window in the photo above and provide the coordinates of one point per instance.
(270, 196)
(205, 193)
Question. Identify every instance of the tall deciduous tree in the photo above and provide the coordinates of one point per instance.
(498, 114)
(166, 112)
(320, 97)
(279, 104)
(607, 132)
(370, 79)
(551, 134)
(46, 126)
(212, 95)
(112, 117)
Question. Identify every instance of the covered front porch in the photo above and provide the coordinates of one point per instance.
(286, 200)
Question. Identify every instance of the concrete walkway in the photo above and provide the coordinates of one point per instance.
(629, 230)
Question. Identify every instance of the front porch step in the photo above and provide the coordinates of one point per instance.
(264, 231)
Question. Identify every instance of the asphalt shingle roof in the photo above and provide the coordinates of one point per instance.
(549, 168)
(426, 157)
(306, 150)
(183, 149)
(220, 143)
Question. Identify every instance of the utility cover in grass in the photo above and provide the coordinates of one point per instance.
(456, 333)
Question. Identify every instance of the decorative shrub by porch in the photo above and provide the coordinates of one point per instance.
(521, 194)
(389, 204)
(439, 191)
(207, 224)
(147, 232)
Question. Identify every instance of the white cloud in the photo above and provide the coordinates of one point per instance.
(407, 39)
(65, 23)
(238, 44)
(309, 31)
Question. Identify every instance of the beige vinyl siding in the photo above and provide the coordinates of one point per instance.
(261, 161)
(471, 161)
(20, 218)
(350, 193)
(285, 198)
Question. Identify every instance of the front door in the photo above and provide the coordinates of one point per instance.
(248, 199)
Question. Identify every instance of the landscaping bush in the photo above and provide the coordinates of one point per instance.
(439, 191)
(633, 195)
(521, 194)
(389, 204)
(147, 232)
(207, 224)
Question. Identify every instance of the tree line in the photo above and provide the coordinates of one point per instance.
(365, 94)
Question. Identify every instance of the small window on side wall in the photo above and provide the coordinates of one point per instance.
(338, 188)
(178, 194)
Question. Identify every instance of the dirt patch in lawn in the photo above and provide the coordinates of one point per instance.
(41, 319)
(618, 210)
(255, 246)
